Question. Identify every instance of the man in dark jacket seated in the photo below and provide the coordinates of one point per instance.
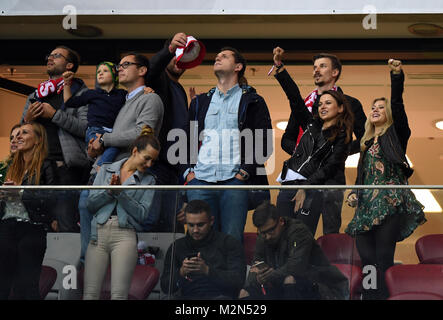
(207, 264)
(289, 264)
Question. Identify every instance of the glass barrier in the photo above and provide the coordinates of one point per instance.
(221, 242)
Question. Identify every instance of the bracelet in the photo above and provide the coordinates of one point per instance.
(277, 67)
(281, 65)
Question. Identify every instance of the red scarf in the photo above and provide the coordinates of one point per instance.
(309, 102)
(49, 87)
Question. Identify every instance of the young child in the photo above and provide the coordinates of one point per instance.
(104, 103)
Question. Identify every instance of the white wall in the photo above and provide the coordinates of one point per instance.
(209, 7)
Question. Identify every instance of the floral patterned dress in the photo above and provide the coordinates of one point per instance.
(375, 205)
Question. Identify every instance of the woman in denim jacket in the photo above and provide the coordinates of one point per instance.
(118, 215)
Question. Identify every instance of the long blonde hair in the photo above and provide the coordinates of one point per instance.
(17, 170)
(370, 128)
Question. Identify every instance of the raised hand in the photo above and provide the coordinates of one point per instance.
(395, 65)
(278, 55)
(179, 40)
(67, 77)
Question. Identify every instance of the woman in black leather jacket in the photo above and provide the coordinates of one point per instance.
(384, 216)
(25, 216)
(322, 152)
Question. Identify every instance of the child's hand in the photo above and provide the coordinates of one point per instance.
(147, 90)
(67, 77)
(192, 92)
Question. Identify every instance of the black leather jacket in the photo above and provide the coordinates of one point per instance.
(289, 139)
(319, 160)
(394, 141)
(41, 204)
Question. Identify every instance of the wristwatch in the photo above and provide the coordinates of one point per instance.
(281, 65)
(102, 142)
(243, 174)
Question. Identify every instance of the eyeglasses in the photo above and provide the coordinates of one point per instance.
(199, 225)
(55, 56)
(269, 231)
(126, 64)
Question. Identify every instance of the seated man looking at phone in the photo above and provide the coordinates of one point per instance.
(289, 264)
(206, 264)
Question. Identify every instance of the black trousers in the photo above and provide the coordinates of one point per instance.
(309, 214)
(377, 248)
(67, 204)
(302, 289)
(22, 249)
(331, 213)
(327, 203)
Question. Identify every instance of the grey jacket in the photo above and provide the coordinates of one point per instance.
(142, 109)
(133, 206)
(72, 124)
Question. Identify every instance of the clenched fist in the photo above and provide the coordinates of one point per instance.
(278, 55)
(395, 65)
(67, 77)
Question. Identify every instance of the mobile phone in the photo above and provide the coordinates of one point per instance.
(260, 265)
(192, 255)
(32, 100)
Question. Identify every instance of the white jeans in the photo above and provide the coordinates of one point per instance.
(119, 245)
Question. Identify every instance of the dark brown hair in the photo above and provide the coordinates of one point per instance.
(198, 206)
(146, 138)
(72, 57)
(141, 60)
(263, 213)
(345, 119)
(238, 58)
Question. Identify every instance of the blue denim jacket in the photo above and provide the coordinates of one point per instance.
(133, 206)
(219, 156)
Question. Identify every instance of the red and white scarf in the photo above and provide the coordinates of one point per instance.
(49, 87)
(309, 102)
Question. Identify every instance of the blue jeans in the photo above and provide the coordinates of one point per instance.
(110, 153)
(229, 207)
(85, 223)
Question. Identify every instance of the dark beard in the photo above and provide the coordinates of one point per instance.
(174, 74)
(54, 73)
